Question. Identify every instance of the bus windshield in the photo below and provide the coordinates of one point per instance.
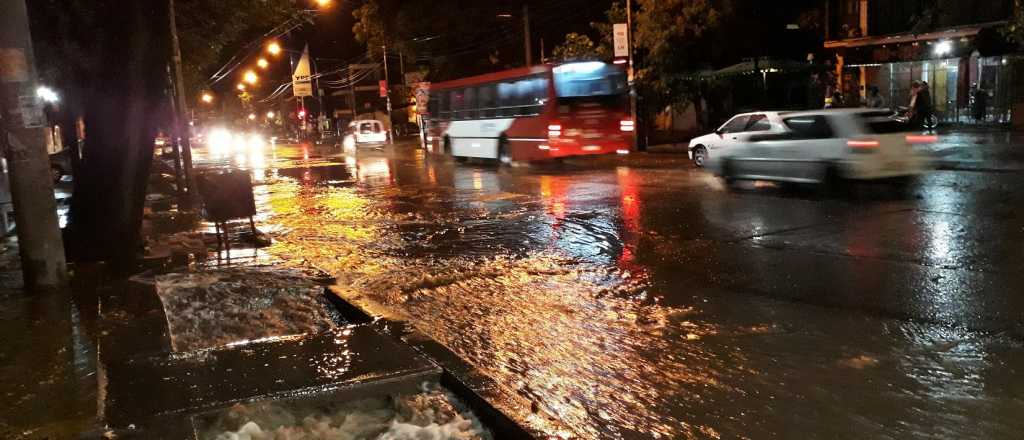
(589, 79)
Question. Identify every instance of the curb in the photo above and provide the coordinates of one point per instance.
(466, 381)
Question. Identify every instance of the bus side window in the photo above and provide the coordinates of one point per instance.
(538, 94)
(524, 96)
(507, 99)
(458, 99)
(444, 104)
(485, 98)
(469, 104)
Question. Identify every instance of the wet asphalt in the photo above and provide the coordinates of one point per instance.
(638, 297)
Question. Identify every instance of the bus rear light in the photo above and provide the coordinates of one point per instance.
(627, 125)
(622, 152)
(591, 148)
(544, 147)
(555, 127)
(922, 139)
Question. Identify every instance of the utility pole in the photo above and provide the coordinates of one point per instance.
(183, 130)
(642, 146)
(23, 139)
(387, 82)
(526, 35)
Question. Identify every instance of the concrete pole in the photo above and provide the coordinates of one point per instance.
(387, 83)
(184, 129)
(526, 35)
(23, 138)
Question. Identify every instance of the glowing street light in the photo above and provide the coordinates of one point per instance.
(251, 77)
(274, 48)
(241, 87)
(252, 116)
(207, 98)
(47, 95)
(262, 62)
(323, 3)
(270, 115)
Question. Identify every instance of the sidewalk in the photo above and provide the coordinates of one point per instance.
(47, 359)
(980, 149)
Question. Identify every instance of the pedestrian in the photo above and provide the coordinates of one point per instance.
(980, 108)
(875, 99)
(923, 105)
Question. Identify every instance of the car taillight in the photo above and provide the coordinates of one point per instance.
(627, 125)
(622, 152)
(863, 145)
(544, 147)
(922, 139)
(554, 130)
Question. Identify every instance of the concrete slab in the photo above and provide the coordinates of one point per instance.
(145, 388)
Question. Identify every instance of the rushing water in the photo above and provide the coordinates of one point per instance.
(553, 284)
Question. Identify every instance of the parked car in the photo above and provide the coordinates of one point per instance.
(735, 130)
(366, 132)
(825, 146)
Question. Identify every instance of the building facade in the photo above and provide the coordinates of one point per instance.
(955, 46)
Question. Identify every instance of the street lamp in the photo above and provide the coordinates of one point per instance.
(47, 95)
(323, 3)
(262, 62)
(251, 77)
(252, 116)
(270, 115)
(274, 48)
(241, 87)
(207, 98)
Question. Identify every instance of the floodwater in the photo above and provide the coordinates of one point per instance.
(635, 298)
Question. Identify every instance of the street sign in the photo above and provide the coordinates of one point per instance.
(422, 97)
(383, 89)
(302, 82)
(621, 34)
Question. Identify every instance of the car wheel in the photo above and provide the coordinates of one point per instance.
(504, 156)
(56, 173)
(700, 156)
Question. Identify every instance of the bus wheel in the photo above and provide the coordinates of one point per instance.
(504, 155)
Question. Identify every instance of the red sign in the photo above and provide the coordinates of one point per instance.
(383, 89)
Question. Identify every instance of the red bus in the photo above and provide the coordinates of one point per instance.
(531, 114)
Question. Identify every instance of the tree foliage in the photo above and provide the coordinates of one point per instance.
(1014, 31)
(577, 47)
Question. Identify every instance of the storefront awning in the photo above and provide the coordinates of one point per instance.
(948, 34)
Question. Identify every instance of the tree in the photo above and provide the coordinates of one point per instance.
(577, 47)
(1014, 30)
(110, 60)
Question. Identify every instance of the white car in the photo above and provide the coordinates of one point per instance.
(735, 130)
(366, 131)
(826, 146)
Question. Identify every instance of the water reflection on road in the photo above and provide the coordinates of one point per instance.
(602, 295)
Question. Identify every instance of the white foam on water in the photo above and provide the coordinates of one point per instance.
(432, 415)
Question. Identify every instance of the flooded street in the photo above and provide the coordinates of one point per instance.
(637, 298)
